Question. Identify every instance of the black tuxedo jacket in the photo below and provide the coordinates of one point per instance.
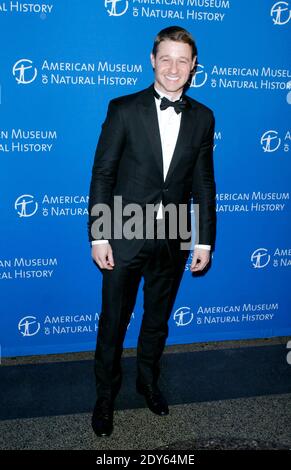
(129, 163)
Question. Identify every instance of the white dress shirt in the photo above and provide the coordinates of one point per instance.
(169, 125)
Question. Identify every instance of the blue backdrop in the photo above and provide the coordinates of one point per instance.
(61, 63)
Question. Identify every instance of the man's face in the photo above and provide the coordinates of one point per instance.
(172, 64)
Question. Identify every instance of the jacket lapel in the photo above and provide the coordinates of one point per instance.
(149, 117)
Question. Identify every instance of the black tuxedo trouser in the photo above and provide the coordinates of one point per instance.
(119, 290)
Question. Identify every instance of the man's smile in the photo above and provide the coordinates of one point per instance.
(173, 79)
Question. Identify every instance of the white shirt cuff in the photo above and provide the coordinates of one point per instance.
(99, 242)
(203, 247)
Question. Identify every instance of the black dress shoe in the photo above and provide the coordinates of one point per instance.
(102, 419)
(154, 398)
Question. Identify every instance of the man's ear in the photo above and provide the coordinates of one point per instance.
(153, 60)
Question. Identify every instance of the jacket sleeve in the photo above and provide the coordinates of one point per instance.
(107, 156)
(204, 188)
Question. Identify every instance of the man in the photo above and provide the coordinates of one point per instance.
(156, 147)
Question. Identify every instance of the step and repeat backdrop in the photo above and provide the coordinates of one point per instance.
(61, 61)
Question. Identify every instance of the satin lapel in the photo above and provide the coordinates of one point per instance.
(148, 113)
(185, 135)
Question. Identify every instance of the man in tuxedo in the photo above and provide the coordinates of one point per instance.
(155, 149)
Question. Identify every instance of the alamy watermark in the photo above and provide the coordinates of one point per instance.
(135, 221)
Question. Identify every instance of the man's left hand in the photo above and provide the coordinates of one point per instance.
(200, 260)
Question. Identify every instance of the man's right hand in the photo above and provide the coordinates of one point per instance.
(103, 255)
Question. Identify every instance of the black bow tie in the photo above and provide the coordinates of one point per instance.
(178, 105)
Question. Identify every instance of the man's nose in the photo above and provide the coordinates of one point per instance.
(173, 67)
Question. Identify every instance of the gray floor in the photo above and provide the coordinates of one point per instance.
(262, 418)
